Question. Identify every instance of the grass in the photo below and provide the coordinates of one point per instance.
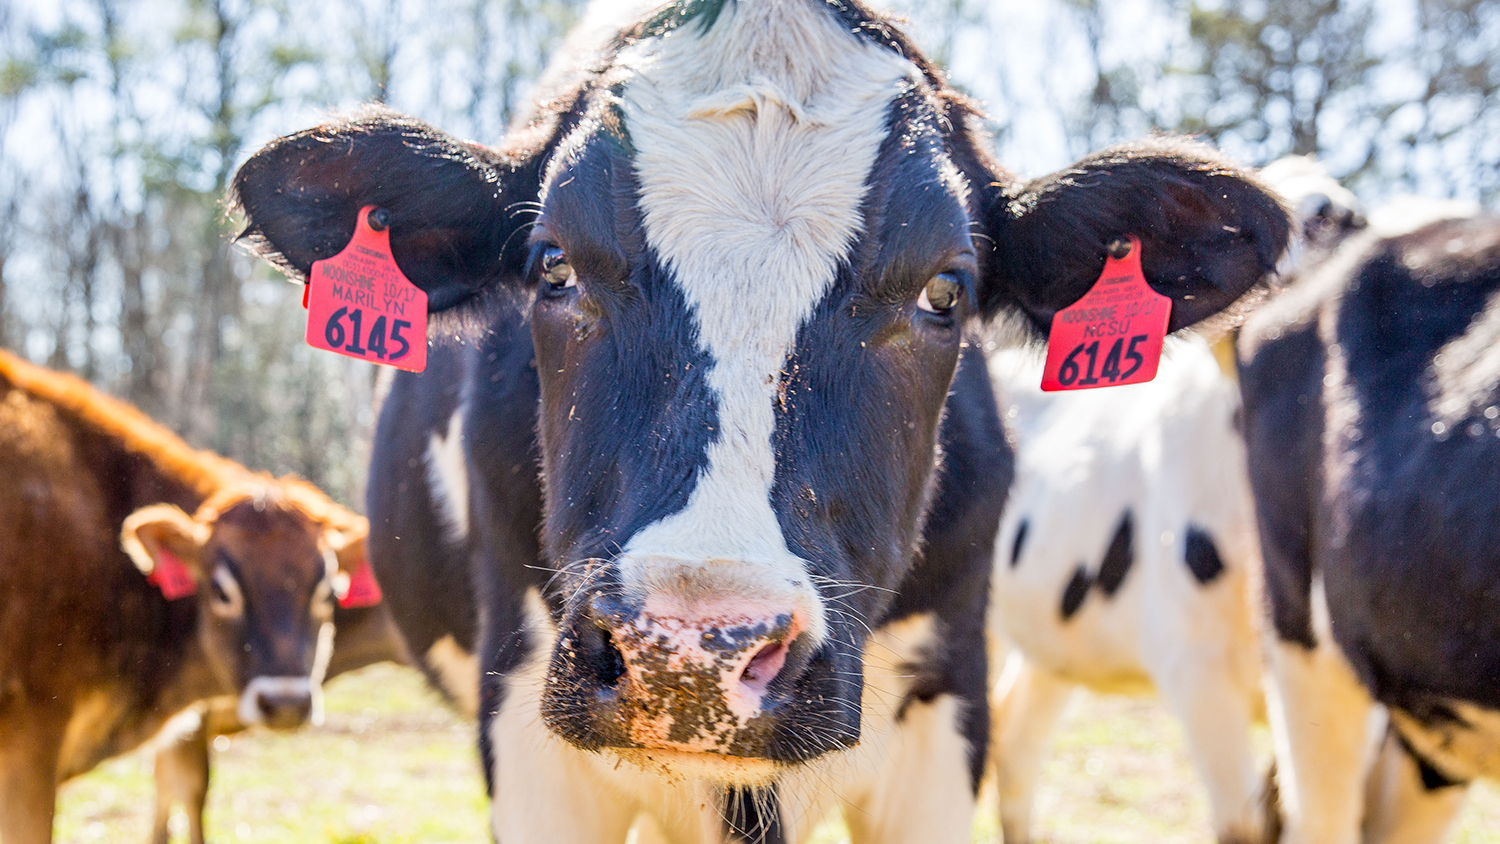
(392, 766)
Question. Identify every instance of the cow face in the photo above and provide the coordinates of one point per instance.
(763, 229)
(266, 573)
(749, 307)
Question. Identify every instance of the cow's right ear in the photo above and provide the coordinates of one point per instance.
(162, 535)
(455, 208)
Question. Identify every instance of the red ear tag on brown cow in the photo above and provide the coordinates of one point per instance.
(171, 576)
(1113, 334)
(364, 590)
(359, 303)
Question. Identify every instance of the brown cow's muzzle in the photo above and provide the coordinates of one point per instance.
(282, 703)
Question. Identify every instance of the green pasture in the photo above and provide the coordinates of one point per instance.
(393, 766)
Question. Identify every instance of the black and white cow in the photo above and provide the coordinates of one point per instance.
(1372, 420)
(747, 240)
(1127, 555)
(1124, 564)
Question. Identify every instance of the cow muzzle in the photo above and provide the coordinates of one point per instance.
(704, 677)
(282, 703)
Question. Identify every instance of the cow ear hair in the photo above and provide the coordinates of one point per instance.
(151, 531)
(348, 541)
(1210, 231)
(455, 208)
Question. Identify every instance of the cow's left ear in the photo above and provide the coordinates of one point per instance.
(163, 535)
(347, 538)
(1209, 230)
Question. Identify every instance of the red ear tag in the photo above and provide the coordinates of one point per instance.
(359, 304)
(172, 577)
(1113, 334)
(364, 590)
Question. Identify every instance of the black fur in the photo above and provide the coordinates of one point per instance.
(1202, 556)
(1019, 542)
(1371, 456)
(1075, 592)
(1118, 557)
(424, 576)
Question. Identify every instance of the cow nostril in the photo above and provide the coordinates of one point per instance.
(764, 666)
(611, 663)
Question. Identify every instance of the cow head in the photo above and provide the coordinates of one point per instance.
(1324, 212)
(266, 560)
(750, 241)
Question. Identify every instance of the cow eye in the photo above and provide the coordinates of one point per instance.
(228, 600)
(556, 270)
(941, 293)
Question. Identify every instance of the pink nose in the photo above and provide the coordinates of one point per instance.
(696, 677)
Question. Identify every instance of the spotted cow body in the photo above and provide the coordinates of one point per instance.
(1124, 564)
(749, 242)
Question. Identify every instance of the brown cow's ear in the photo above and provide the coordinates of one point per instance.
(348, 541)
(162, 534)
(1210, 232)
(454, 207)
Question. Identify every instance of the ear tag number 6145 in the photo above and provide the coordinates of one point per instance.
(359, 303)
(1113, 334)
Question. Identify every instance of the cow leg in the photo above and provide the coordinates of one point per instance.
(1321, 717)
(28, 779)
(1028, 701)
(1217, 713)
(1408, 802)
(923, 790)
(181, 774)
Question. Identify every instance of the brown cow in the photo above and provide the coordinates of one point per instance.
(118, 609)
(363, 635)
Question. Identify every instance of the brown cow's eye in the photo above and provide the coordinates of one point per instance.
(228, 600)
(556, 270)
(941, 293)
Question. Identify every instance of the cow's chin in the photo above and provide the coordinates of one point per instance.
(682, 765)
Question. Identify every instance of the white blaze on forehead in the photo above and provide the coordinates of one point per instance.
(753, 141)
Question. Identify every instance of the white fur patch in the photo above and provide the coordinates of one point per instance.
(1168, 452)
(1327, 731)
(753, 142)
(1405, 214)
(448, 478)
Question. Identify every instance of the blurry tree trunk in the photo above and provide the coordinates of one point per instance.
(140, 337)
(220, 289)
(378, 38)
